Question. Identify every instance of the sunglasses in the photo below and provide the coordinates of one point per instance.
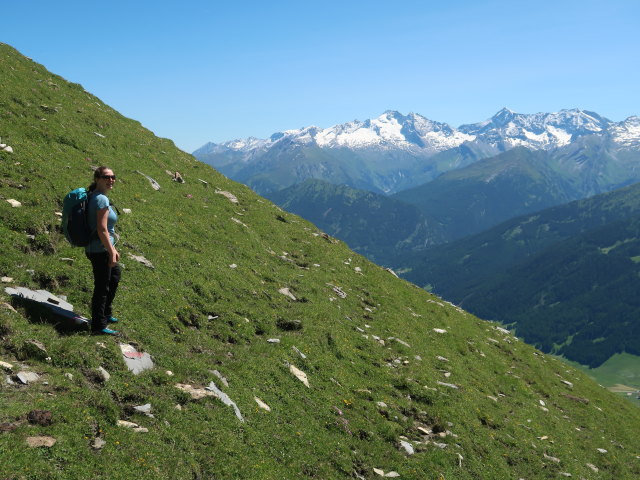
(108, 177)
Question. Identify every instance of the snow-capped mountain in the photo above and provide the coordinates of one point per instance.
(539, 131)
(395, 151)
(391, 130)
(626, 134)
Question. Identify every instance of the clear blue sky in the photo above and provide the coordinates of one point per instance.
(198, 71)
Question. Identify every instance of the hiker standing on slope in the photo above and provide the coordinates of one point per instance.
(102, 252)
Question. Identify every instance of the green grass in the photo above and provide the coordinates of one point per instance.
(194, 313)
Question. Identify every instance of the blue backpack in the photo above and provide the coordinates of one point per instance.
(75, 221)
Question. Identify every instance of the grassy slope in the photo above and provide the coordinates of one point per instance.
(188, 232)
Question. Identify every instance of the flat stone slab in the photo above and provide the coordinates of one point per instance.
(136, 362)
(59, 307)
(35, 442)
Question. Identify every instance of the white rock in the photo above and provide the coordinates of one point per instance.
(14, 203)
(553, 459)
(602, 450)
(69, 375)
(224, 398)
(126, 424)
(98, 443)
(27, 377)
(378, 472)
(300, 375)
(286, 292)
(302, 355)
(439, 330)
(232, 198)
(6, 279)
(593, 467)
(146, 409)
(141, 259)
(442, 359)
(169, 373)
(407, 447)
(126, 210)
(8, 149)
(273, 340)
(6, 366)
(262, 405)
(392, 475)
(103, 374)
(381, 404)
(233, 265)
(450, 385)
(196, 393)
(221, 377)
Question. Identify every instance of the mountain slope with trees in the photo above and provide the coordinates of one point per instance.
(564, 277)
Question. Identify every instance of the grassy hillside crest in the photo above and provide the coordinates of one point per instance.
(388, 365)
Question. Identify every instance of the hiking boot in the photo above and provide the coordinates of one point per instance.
(105, 331)
(112, 320)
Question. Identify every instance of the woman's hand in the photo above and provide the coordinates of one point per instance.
(114, 258)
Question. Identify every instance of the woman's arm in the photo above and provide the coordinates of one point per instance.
(103, 235)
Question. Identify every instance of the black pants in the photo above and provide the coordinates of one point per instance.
(105, 284)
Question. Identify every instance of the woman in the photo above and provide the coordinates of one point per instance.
(102, 252)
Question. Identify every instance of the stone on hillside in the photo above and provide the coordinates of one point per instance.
(98, 443)
(593, 467)
(262, 405)
(69, 375)
(378, 472)
(381, 404)
(300, 375)
(338, 291)
(155, 185)
(232, 198)
(7, 149)
(7, 367)
(233, 266)
(273, 340)
(602, 450)
(136, 362)
(239, 222)
(392, 272)
(6, 279)
(550, 458)
(287, 293)
(14, 203)
(392, 474)
(302, 355)
(442, 359)
(221, 377)
(449, 385)
(407, 447)
(127, 424)
(439, 330)
(126, 210)
(567, 383)
(401, 342)
(141, 259)
(27, 377)
(224, 398)
(103, 374)
(196, 393)
(99, 135)
(42, 441)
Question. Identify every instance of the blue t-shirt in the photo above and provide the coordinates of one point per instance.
(98, 201)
